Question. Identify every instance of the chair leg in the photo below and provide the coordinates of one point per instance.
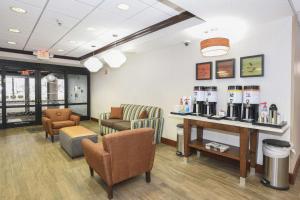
(52, 138)
(110, 192)
(91, 171)
(148, 177)
(46, 135)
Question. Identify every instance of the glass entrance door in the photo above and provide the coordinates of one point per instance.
(20, 95)
(52, 90)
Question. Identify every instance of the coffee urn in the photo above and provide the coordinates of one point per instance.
(251, 98)
(210, 104)
(199, 98)
(235, 101)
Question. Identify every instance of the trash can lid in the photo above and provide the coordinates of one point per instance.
(179, 126)
(276, 143)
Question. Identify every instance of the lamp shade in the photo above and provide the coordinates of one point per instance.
(114, 58)
(214, 46)
(93, 64)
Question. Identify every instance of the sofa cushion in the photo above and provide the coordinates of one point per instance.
(121, 126)
(116, 113)
(143, 115)
(61, 124)
(109, 122)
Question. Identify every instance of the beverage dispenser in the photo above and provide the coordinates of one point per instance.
(210, 104)
(235, 101)
(251, 98)
(199, 98)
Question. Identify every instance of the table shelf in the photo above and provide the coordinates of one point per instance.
(233, 152)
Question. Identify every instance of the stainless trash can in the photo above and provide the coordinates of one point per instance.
(276, 164)
(180, 140)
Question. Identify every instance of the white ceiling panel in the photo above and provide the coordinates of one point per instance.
(147, 18)
(135, 6)
(23, 22)
(48, 31)
(69, 8)
(149, 2)
(90, 2)
(165, 8)
(36, 3)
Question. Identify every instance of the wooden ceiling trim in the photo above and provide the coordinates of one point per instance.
(158, 26)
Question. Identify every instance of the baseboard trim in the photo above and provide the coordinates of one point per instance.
(94, 119)
(258, 168)
(168, 142)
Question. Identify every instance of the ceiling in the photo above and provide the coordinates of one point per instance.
(233, 19)
(83, 23)
(253, 11)
(40, 29)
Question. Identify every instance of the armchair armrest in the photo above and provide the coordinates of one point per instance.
(47, 125)
(98, 159)
(103, 116)
(155, 123)
(75, 118)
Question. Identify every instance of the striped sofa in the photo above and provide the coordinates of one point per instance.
(131, 113)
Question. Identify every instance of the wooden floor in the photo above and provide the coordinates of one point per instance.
(34, 168)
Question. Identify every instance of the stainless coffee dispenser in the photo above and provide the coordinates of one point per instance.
(210, 104)
(199, 98)
(235, 101)
(251, 98)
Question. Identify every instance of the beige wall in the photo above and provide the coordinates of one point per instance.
(162, 76)
(295, 130)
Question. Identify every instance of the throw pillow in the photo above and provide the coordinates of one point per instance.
(143, 115)
(116, 113)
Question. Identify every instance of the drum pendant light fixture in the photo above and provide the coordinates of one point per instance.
(214, 47)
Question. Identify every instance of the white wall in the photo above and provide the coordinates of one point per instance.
(162, 76)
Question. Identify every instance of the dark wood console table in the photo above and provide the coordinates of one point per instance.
(248, 133)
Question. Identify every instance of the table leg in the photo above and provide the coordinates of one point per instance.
(253, 150)
(199, 138)
(187, 136)
(244, 145)
(199, 133)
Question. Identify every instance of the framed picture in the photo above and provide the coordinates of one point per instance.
(225, 68)
(252, 66)
(204, 71)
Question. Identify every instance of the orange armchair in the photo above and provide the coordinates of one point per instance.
(56, 119)
(122, 155)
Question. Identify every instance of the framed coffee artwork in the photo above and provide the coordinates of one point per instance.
(204, 71)
(225, 69)
(252, 66)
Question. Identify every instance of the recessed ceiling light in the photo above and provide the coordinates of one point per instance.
(90, 29)
(14, 30)
(73, 42)
(18, 10)
(60, 50)
(123, 6)
(11, 42)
